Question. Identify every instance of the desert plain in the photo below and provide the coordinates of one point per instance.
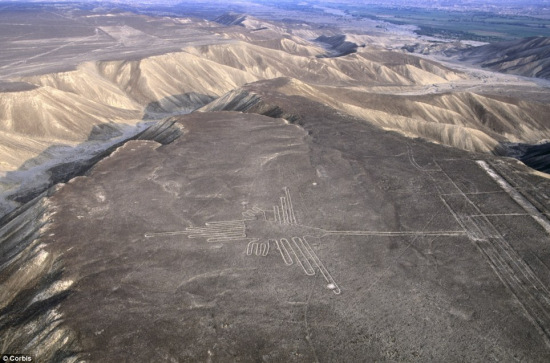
(247, 183)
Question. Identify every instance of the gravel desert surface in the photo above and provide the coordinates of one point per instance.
(228, 186)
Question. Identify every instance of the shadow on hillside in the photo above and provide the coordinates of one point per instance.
(22, 214)
(39, 173)
(100, 137)
(337, 46)
(28, 317)
(536, 156)
(177, 104)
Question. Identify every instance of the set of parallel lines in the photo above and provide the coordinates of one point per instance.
(284, 250)
(516, 196)
(508, 265)
(285, 213)
(213, 231)
(520, 183)
(259, 249)
(305, 257)
(328, 277)
(291, 216)
(299, 254)
(277, 214)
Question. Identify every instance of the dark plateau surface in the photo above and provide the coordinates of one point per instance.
(244, 237)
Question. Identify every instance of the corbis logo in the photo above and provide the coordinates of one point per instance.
(17, 358)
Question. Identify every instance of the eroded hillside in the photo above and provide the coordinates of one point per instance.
(529, 57)
(242, 189)
(102, 102)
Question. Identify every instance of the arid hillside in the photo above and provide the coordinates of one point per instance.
(102, 102)
(529, 57)
(240, 189)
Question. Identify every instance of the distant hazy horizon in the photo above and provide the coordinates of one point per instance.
(431, 3)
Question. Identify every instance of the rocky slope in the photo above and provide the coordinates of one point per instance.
(87, 110)
(178, 247)
(529, 57)
(464, 120)
(311, 209)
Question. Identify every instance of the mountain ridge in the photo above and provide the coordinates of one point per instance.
(529, 57)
